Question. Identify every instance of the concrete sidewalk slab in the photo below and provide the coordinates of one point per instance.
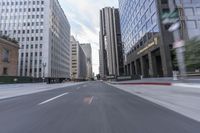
(183, 100)
(187, 85)
(193, 83)
(143, 83)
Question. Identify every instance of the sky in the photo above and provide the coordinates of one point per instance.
(83, 16)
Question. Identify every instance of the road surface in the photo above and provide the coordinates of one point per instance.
(93, 107)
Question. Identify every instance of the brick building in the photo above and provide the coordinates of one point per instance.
(8, 58)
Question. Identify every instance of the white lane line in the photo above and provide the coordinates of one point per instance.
(91, 99)
(53, 98)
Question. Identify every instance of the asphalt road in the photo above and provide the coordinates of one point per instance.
(93, 107)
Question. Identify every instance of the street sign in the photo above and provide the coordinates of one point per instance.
(174, 27)
(179, 44)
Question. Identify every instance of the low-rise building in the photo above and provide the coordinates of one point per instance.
(8, 57)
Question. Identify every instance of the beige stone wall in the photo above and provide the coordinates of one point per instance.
(13, 58)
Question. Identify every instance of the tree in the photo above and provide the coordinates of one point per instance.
(192, 54)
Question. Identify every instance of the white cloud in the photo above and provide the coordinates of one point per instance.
(83, 16)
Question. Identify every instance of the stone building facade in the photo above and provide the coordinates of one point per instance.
(8, 58)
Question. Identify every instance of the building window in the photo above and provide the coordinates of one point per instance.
(191, 24)
(198, 11)
(5, 71)
(164, 1)
(189, 11)
(5, 55)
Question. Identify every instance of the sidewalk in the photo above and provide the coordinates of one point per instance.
(189, 82)
(13, 90)
(183, 100)
(180, 97)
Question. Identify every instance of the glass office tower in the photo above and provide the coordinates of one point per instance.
(138, 18)
(146, 41)
(191, 16)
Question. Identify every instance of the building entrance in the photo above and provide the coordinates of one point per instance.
(146, 70)
(157, 63)
(138, 66)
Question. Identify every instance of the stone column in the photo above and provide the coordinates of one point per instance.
(151, 70)
(142, 66)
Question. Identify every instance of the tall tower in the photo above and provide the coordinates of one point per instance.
(43, 32)
(111, 55)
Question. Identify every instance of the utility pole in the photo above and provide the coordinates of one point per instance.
(173, 19)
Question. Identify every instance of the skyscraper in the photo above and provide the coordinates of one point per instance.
(43, 32)
(111, 52)
(190, 16)
(147, 42)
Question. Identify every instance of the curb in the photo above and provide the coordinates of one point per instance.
(145, 83)
(161, 84)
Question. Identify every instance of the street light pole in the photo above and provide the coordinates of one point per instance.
(173, 19)
(180, 49)
(44, 66)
